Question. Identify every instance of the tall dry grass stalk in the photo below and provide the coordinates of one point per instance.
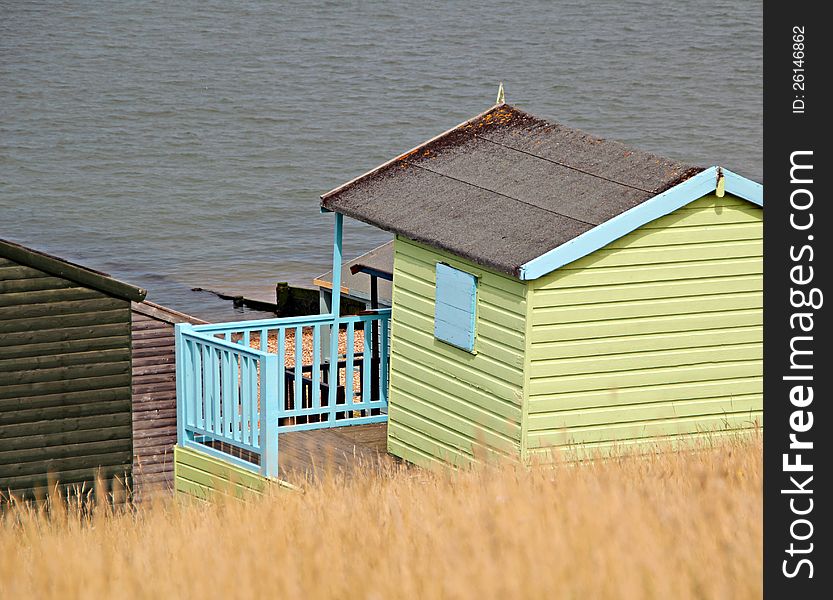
(669, 525)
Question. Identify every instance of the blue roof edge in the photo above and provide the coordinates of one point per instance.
(660, 205)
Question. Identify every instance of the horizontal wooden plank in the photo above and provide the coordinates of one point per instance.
(167, 395)
(62, 438)
(58, 465)
(449, 437)
(163, 359)
(20, 379)
(696, 234)
(35, 284)
(206, 470)
(456, 414)
(27, 368)
(51, 309)
(88, 475)
(632, 413)
(12, 272)
(634, 257)
(694, 269)
(485, 330)
(162, 422)
(142, 323)
(413, 253)
(474, 380)
(151, 432)
(408, 279)
(695, 216)
(649, 429)
(568, 296)
(621, 363)
(24, 430)
(606, 312)
(65, 294)
(65, 334)
(671, 392)
(58, 321)
(33, 415)
(500, 399)
(142, 387)
(157, 369)
(486, 348)
(432, 352)
(425, 445)
(152, 444)
(64, 399)
(643, 377)
(62, 386)
(142, 351)
(23, 351)
(87, 449)
(153, 334)
(647, 326)
(150, 417)
(630, 344)
(140, 407)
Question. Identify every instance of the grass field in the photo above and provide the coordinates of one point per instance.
(667, 525)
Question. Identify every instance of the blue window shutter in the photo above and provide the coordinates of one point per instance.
(455, 307)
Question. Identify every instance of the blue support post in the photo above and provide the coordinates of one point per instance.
(269, 389)
(336, 309)
(180, 381)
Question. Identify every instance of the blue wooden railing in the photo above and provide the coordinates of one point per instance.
(237, 391)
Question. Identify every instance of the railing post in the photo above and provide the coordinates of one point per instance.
(269, 389)
(335, 307)
(179, 352)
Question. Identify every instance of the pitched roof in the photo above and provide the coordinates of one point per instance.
(67, 270)
(505, 187)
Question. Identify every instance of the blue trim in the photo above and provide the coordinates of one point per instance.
(214, 453)
(740, 186)
(660, 205)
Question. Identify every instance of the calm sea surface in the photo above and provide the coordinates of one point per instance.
(185, 144)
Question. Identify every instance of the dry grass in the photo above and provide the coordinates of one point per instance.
(672, 525)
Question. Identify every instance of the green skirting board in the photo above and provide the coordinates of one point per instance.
(200, 475)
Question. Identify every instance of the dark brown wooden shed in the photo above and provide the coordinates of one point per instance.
(154, 397)
(65, 373)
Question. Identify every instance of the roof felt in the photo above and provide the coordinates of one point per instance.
(71, 271)
(505, 187)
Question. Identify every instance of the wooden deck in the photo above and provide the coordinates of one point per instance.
(304, 454)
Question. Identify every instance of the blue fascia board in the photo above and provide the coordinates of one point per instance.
(660, 205)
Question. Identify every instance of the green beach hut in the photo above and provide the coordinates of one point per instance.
(553, 288)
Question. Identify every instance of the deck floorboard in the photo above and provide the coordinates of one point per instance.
(308, 454)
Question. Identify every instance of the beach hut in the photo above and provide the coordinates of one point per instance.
(553, 288)
(65, 373)
(87, 378)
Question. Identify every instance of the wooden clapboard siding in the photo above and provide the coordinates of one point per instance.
(200, 475)
(154, 397)
(657, 334)
(65, 371)
(446, 402)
